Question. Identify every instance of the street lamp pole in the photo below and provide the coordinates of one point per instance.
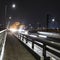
(5, 22)
(8, 25)
(6, 6)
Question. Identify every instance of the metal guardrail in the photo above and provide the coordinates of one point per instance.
(45, 45)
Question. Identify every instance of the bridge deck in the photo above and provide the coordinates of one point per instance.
(14, 50)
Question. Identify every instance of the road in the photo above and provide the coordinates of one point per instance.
(14, 50)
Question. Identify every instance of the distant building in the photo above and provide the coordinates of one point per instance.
(52, 23)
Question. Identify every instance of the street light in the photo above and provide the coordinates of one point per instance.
(10, 17)
(13, 5)
(53, 20)
(9, 22)
(6, 8)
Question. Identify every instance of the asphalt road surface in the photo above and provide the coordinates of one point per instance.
(14, 50)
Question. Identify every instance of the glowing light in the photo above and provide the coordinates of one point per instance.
(43, 32)
(33, 35)
(26, 32)
(15, 25)
(13, 5)
(53, 20)
(43, 36)
(10, 17)
(12, 30)
(23, 31)
(49, 34)
(20, 30)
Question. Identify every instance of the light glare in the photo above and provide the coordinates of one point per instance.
(53, 20)
(23, 31)
(33, 35)
(43, 36)
(10, 17)
(13, 5)
(13, 30)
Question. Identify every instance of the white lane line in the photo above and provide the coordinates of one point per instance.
(3, 47)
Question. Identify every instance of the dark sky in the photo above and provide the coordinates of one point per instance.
(31, 11)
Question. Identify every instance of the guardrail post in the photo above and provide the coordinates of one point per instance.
(18, 35)
(22, 37)
(33, 44)
(26, 39)
(44, 52)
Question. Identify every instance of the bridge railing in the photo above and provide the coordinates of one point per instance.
(2, 42)
(47, 46)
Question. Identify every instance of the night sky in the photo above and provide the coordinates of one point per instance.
(28, 11)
